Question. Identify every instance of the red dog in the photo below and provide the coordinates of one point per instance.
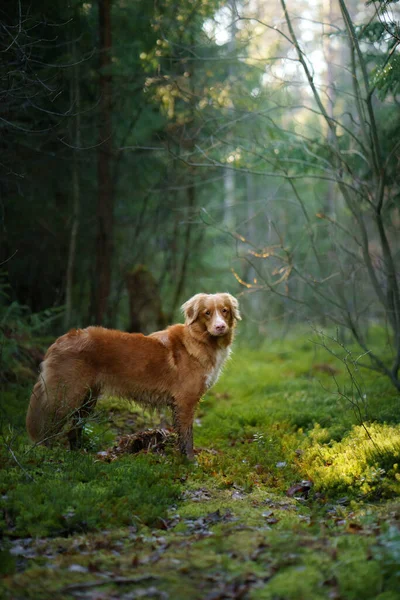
(173, 367)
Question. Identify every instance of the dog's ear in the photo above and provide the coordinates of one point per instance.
(235, 307)
(191, 308)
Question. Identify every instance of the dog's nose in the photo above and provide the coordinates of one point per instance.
(220, 328)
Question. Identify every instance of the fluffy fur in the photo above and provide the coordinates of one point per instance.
(173, 367)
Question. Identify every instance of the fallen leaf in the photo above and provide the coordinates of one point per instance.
(354, 527)
(301, 488)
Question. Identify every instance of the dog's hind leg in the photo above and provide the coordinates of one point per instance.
(79, 418)
(62, 389)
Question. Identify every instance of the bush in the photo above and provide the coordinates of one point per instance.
(20, 354)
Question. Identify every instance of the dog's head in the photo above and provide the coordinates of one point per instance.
(215, 313)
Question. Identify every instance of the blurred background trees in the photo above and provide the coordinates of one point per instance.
(204, 145)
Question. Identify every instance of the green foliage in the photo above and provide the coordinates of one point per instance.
(19, 352)
(382, 39)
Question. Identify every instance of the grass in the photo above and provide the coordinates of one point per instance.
(240, 522)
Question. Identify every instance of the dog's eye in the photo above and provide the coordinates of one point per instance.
(224, 310)
(207, 313)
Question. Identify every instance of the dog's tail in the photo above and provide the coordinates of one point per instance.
(51, 405)
(36, 412)
(38, 417)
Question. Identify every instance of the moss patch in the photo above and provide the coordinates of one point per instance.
(288, 498)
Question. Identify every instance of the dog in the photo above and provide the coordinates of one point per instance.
(173, 367)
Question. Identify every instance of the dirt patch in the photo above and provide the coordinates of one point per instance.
(152, 440)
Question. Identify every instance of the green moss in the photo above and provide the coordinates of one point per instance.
(223, 525)
(365, 461)
(358, 575)
(76, 492)
(293, 583)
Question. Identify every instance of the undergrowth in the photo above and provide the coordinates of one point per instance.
(23, 337)
(286, 482)
(73, 492)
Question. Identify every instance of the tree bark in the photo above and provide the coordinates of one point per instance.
(331, 97)
(104, 240)
(76, 104)
(191, 195)
(229, 173)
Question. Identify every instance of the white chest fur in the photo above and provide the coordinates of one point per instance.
(215, 372)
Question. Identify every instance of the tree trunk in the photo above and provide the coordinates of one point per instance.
(229, 173)
(145, 306)
(181, 279)
(104, 240)
(329, 208)
(76, 104)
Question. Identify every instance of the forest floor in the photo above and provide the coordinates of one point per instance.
(291, 497)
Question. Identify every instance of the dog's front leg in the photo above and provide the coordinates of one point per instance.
(183, 425)
(186, 442)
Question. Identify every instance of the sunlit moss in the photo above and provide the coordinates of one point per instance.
(364, 461)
